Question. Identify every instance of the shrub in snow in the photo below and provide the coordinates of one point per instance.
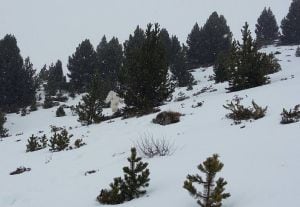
(213, 191)
(291, 116)
(151, 147)
(59, 141)
(136, 179)
(36, 143)
(240, 112)
(60, 112)
(20, 170)
(48, 103)
(297, 52)
(79, 143)
(3, 131)
(167, 117)
(24, 111)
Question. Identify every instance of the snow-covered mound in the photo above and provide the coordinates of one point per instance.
(262, 159)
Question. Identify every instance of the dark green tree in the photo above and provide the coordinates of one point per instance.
(60, 112)
(267, 30)
(3, 131)
(82, 65)
(213, 193)
(166, 41)
(56, 81)
(178, 65)
(90, 109)
(59, 141)
(297, 54)
(193, 43)
(109, 61)
(144, 76)
(290, 25)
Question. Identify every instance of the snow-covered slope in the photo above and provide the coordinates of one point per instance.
(262, 160)
(51, 30)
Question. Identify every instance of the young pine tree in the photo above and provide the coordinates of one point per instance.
(290, 25)
(90, 109)
(213, 193)
(56, 80)
(82, 65)
(178, 65)
(144, 76)
(267, 30)
(193, 51)
(166, 41)
(3, 131)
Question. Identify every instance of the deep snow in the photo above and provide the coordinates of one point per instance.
(262, 160)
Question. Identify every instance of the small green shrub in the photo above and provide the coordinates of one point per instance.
(36, 143)
(291, 116)
(60, 112)
(59, 141)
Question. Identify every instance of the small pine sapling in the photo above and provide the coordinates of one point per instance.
(60, 112)
(59, 141)
(36, 143)
(3, 131)
(213, 192)
(291, 116)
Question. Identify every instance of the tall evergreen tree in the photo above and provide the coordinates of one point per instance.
(166, 41)
(267, 30)
(290, 25)
(178, 65)
(56, 80)
(82, 65)
(144, 76)
(3, 131)
(17, 87)
(90, 109)
(193, 43)
(109, 61)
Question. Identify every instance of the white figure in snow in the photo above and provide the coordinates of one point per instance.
(114, 100)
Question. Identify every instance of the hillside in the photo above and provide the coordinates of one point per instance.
(261, 158)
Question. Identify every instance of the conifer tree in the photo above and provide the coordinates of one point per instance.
(90, 109)
(179, 65)
(290, 25)
(267, 30)
(213, 193)
(109, 61)
(82, 65)
(59, 141)
(3, 131)
(193, 43)
(297, 54)
(17, 86)
(56, 81)
(167, 44)
(144, 76)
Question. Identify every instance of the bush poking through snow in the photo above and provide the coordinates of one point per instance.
(20, 170)
(240, 112)
(150, 147)
(297, 52)
(136, 178)
(291, 116)
(79, 143)
(60, 112)
(3, 131)
(59, 141)
(213, 192)
(36, 143)
(167, 117)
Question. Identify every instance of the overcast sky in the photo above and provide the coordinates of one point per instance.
(48, 30)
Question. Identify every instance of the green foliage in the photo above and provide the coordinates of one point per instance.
(213, 192)
(90, 110)
(59, 141)
(240, 112)
(297, 54)
(167, 44)
(36, 143)
(17, 85)
(56, 81)
(82, 65)
(136, 178)
(245, 66)
(207, 42)
(267, 30)
(3, 131)
(144, 76)
(60, 112)
(291, 116)
(290, 25)
(48, 103)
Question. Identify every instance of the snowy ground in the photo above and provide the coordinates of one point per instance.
(262, 160)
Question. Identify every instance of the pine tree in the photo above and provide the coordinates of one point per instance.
(267, 30)
(178, 65)
(59, 141)
(167, 44)
(56, 81)
(213, 192)
(82, 65)
(17, 86)
(247, 67)
(290, 25)
(144, 76)
(297, 54)
(193, 43)
(90, 110)
(3, 131)
(60, 112)
(109, 61)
